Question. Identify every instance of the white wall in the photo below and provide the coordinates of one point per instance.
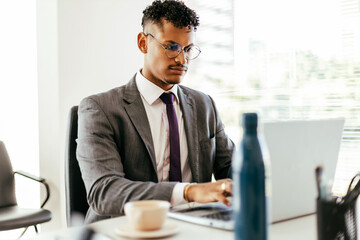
(84, 47)
(18, 93)
(48, 91)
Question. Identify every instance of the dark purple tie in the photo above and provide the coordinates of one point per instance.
(175, 166)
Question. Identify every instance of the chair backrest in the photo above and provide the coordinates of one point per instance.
(76, 201)
(7, 181)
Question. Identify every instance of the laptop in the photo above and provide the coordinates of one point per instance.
(295, 149)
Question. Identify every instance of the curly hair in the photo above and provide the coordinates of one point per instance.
(173, 11)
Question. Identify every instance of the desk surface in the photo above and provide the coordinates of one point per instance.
(297, 229)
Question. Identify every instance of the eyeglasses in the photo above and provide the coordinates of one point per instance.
(173, 50)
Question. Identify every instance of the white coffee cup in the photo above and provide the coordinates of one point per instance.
(146, 215)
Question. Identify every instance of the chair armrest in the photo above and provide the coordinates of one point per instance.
(28, 175)
(37, 179)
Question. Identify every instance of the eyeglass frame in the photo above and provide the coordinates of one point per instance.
(182, 49)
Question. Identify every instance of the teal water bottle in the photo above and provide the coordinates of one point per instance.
(249, 199)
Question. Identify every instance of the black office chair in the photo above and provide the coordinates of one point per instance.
(76, 201)
(11, 215)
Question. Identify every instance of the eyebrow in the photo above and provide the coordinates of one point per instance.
(172, 42)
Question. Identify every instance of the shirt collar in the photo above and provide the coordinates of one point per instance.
(150, 91)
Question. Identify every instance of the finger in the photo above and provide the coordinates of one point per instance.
(226, 188)
(229, 188)
(224, 200)
(227, 202)
(223, 186)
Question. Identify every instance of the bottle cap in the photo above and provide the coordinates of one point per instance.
(250, 120)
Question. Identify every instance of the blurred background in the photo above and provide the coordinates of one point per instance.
(286, 60)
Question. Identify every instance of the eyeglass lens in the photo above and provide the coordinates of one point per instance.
(174, 50)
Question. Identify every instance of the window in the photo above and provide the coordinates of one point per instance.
(297, 61)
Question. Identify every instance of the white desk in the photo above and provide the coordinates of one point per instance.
(298, 229)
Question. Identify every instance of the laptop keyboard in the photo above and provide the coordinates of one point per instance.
(222, 215)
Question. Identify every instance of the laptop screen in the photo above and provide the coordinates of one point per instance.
(296, 148)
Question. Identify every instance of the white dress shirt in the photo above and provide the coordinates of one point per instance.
(159, 126)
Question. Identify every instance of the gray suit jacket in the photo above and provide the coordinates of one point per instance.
(116, 154)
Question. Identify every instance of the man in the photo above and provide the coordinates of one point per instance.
(127, 147)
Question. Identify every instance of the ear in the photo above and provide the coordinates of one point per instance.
(142, 42)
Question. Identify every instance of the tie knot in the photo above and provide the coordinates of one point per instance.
(167, 98)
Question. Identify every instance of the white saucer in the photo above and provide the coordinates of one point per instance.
(128, 231)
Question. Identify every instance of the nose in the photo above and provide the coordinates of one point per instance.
(181, 58)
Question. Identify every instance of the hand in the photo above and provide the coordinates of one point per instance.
(211, 192)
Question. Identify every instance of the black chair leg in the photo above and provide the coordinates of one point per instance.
(22, 234)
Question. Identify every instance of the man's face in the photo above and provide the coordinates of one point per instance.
(158, 68)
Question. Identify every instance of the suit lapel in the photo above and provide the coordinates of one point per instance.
(188, 108)
(137, 114)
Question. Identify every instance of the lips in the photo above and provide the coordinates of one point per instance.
(178, 69)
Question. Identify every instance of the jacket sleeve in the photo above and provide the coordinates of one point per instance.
(224, 149)
(106, 182)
